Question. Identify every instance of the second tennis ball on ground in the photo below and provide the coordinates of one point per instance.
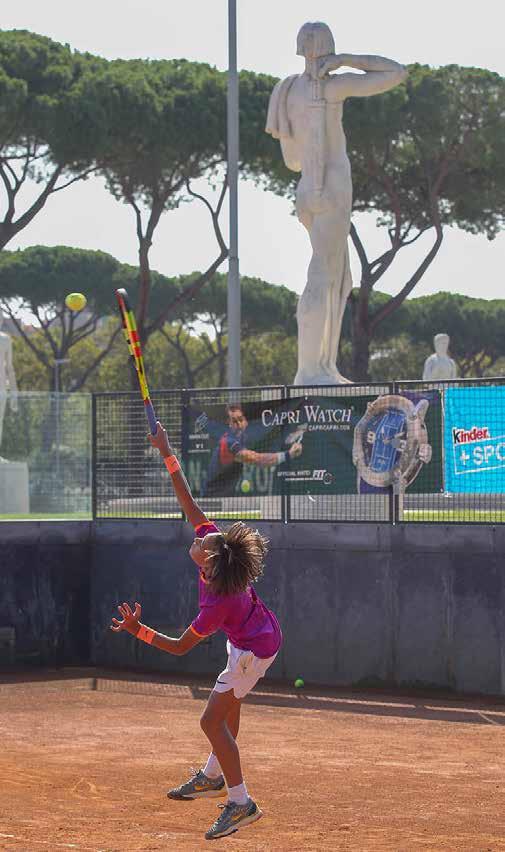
(246, 486)
(299, 682)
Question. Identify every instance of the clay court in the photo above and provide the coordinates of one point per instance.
(87, 757)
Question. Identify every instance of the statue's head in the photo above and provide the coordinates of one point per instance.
(441, 343)
(315, 40)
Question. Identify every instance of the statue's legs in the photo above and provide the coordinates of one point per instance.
(322, 304)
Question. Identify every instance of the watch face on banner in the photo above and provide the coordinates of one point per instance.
(391, 441)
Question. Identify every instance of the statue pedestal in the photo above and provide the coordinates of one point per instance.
(14, 493)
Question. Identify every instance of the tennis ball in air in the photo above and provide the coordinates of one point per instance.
(245, 487)
(75, 301)
(299, 682)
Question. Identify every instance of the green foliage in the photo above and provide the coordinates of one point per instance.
(475, 327)
(397, 358)
(40, 138)
(31, 374)
(159, 123)
(439, 135)
(42, 276)
(37, 280)
(264, 306)
(269, 359)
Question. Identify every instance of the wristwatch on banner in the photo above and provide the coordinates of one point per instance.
(391, 442)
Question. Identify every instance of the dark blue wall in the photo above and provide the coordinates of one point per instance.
(44, 590)
(416, 605)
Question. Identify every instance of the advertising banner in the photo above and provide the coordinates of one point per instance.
(314, 445)
(474, 440)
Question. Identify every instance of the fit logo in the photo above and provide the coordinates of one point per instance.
(318, 475)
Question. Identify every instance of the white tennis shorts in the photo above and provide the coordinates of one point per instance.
(242, 671)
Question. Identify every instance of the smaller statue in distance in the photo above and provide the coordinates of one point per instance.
(440, 366)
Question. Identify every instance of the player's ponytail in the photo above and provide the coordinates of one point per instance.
(238, 559)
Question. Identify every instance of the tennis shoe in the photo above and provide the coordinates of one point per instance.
(199, 786)
(233, 817)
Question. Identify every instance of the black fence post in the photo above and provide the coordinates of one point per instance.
(286, 494)
(184, 403)
(394, 496)
(93, 458)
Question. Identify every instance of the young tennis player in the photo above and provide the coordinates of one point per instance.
(229, 562)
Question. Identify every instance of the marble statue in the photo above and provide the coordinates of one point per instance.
(440, 366)
(305, 114)
(7, 376)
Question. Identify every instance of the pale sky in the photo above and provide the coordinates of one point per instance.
(273, 245)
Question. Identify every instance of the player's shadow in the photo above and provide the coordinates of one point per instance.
(429, 706)
(407, 704)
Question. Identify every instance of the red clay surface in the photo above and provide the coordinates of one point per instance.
(85, 764)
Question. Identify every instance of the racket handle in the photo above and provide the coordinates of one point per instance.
(151, 416)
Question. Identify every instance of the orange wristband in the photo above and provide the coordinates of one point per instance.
(145, 634)
(171, 463)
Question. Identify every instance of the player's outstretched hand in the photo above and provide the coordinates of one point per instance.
(130, 621)
(160, 440)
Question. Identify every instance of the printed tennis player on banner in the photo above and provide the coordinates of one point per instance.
(315, 444)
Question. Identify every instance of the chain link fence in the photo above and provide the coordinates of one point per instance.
(129, 481)
(389, 452)
(468, 447)
(45, 450)
(383, 453)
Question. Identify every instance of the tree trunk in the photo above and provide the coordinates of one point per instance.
(360, 351)
(144, 288)
(361, 332)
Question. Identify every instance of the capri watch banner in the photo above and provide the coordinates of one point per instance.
(314, 445)
(474, 440)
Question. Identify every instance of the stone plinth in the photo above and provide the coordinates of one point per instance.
(14, 493)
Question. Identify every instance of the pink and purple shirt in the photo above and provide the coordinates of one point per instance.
(242, 617)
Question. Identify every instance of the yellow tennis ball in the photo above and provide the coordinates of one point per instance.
(245, 487)
(75, 301)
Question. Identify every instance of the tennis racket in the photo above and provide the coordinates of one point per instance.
(135, 349)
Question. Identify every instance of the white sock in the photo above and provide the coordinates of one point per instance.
(212, 768)
(238, 794)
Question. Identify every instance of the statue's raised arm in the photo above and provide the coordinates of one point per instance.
(380, 75)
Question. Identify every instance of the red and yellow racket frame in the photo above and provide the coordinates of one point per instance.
(135, 349)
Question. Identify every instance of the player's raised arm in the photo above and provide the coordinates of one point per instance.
(380, 75)
(182, 490)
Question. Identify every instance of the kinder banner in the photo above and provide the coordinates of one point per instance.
(314, 445)
(474, 440)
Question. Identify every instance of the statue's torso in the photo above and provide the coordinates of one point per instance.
(302, 109)
(439, 367)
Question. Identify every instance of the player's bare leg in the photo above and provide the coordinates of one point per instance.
(224, 709)
(208, 783)
(222, 706)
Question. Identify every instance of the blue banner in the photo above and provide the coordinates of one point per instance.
(474, 440)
